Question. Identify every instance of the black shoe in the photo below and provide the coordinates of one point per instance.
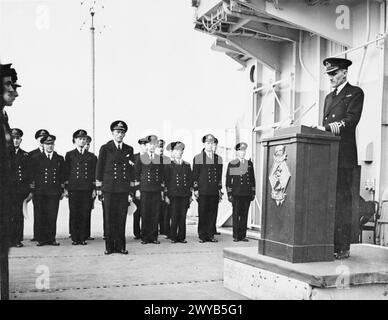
(344, 254)
(245, 240)
(201, 241)
(155, 242)
(217, 233)
(144, 242)
(75, 243)
(40, 244)
(33, 240)
(174, 241)
(235, 240)
(182, 241)
(54, 243)
(103, 238)
(83, 243)
(108, 252)
(213, 240)
(90, 238)
(136, 238)
(167, 237)
(19, 245)
(123, 251)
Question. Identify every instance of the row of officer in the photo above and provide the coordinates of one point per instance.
(148, 178)
(45, 177)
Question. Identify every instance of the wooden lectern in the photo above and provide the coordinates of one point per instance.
(299, 194)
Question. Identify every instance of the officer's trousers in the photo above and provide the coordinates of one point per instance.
(17, 220)
(240, 216)
(150, 207)
(178, 206)
(343, 211)
(35, 214)
(79, 207)
(46, 214)
(207, 210)
(164, 219)
(136, 219)
(115, 216)
(88, 222)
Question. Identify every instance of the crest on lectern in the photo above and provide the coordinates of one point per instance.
(279, 175)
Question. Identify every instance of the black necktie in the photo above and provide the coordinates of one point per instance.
(119, 147)
(335, 93)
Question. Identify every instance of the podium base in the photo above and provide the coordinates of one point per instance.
(363, 276)
(296, 253)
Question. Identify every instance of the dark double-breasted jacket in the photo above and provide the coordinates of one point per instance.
(207, 174)
(22, 172)
(341, 116)
(150, 173)
(80, 170)
(240, 178)
(48, 175)
(178, 179)
(115, 168)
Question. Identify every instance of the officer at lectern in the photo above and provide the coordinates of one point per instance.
(342, 112)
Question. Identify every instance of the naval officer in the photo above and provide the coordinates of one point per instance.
(114, 184)
(241, 189)
(80, 167)
(150, 175)
(215, 147)
(137, 214)
(23, 180)
(207, 183)
(178, 190)
(94, 194)
(342, 112)
(36, 152)
(165, 213)
(48, 190)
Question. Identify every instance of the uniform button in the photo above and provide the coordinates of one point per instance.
(333, 115)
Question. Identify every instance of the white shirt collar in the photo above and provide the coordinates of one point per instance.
(209, 154)
(80, 150)
(49, 155)
(118, 144)
(340, 87)
(178, 161)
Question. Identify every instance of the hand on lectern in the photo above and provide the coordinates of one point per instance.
(319, 128)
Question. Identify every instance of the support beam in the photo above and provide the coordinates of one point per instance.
(221, 46)
(240, 24)
(274, 31)
(321, 18)
(205, 6)
(267, 52)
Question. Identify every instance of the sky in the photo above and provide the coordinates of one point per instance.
(153, 70)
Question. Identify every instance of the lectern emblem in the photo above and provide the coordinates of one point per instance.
(279, 175)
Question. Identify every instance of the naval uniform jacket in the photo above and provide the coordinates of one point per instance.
(207, 174)
(35, 152)
(80, 170)
(344, 112)
(178, 179)
(23, 172)
(240, 178)
(48, 175)
(115, 168)
(7, 186)
(150, 174)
